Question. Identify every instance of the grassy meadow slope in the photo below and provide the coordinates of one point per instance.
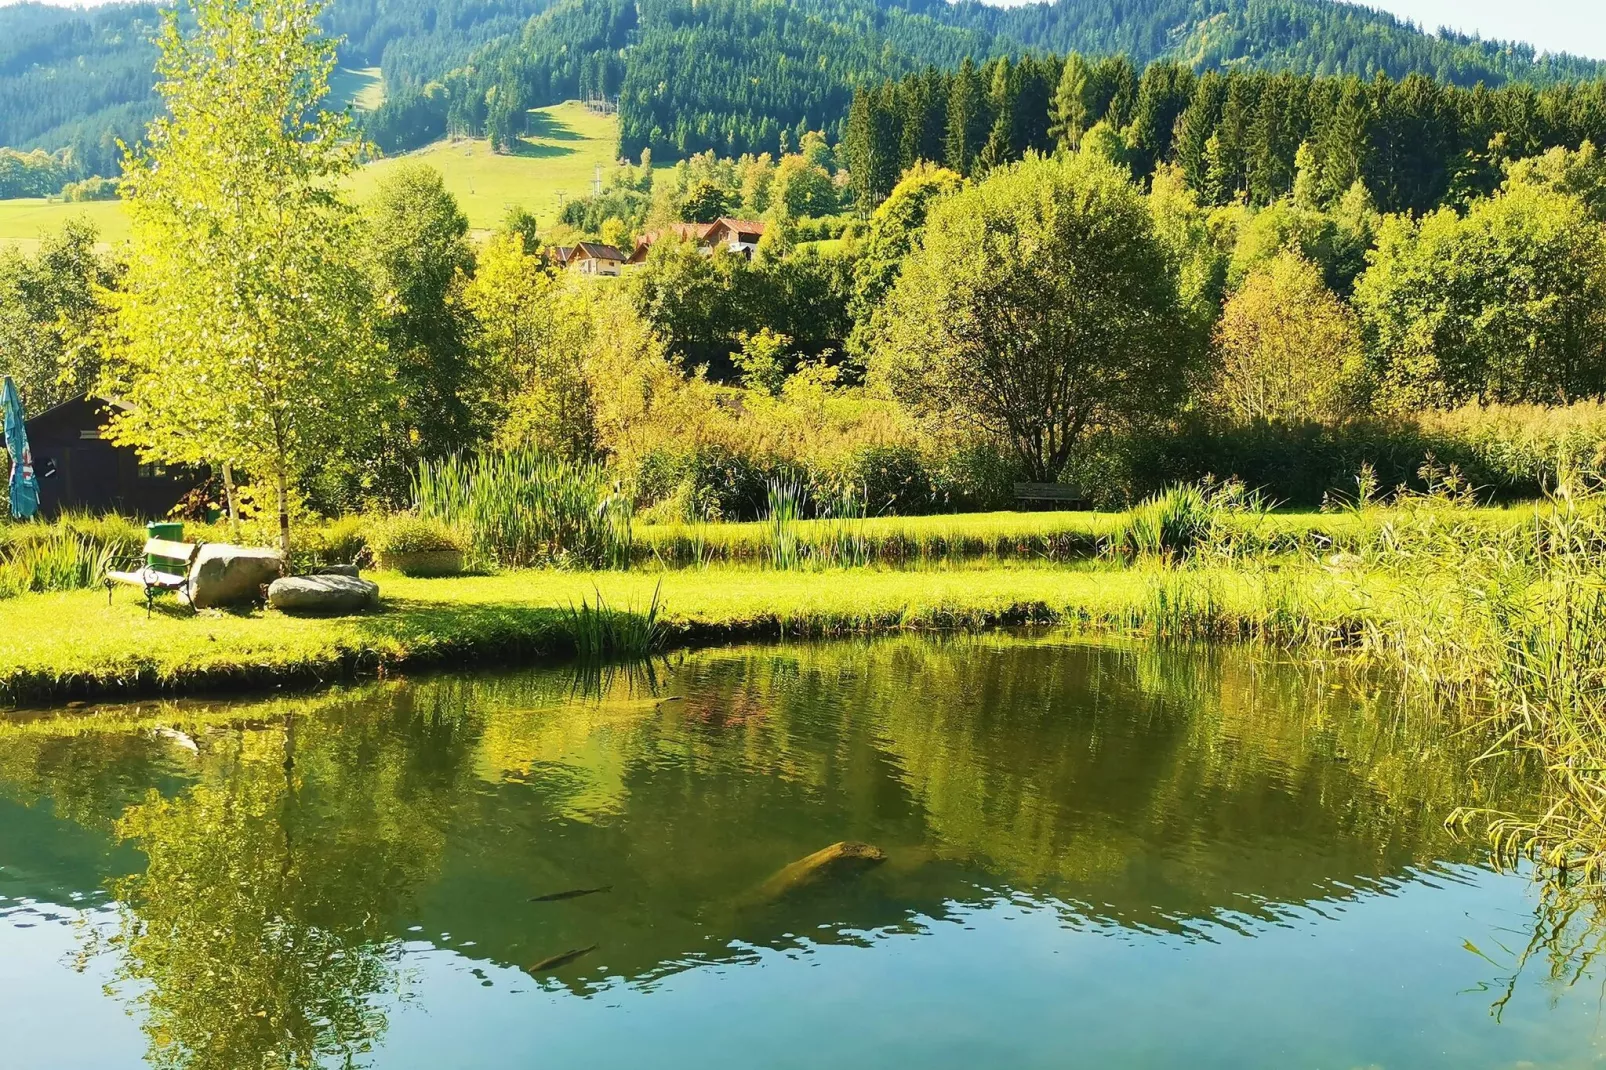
(24, 219)
(558, 159)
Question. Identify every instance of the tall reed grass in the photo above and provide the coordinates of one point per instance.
(69, 553)
(522, 509)
(1504, 623)
(837, 537)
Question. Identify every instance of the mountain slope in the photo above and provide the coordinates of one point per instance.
(81, 78)
(728, 75)
(733, 76)
(1303, 36)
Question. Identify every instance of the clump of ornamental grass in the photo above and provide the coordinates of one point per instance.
(407, 534)
(418, 546)
(60, 561)
(1188, 519)
(786, 500)
(69, 553)
(601, 632)
(845, 542)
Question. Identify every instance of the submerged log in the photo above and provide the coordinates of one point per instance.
(837, 860)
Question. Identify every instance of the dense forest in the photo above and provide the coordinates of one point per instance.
(1415, 143)
(731, 76)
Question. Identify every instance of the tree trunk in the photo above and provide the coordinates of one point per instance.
(232, 501)
(282, 486)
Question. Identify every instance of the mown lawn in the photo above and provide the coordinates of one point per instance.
(63, 645)
(55, 646)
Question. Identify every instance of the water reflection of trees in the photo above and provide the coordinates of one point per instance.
(262, 929)
(290, 850)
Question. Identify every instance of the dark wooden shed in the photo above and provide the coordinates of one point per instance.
(79, 469)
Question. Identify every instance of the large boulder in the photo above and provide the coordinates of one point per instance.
(225, 575)
(323, 594)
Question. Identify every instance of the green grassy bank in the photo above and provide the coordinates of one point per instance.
(919, 541)
(73, 645)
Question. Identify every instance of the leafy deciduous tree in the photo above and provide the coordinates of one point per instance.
(1038, 306)
(419, 241)
(1507, 304)
(51, 304)
(1289, 349)
(244, 333)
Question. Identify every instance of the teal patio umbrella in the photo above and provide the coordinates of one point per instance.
(24, 487)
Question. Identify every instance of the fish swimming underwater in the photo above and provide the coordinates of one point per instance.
(572, 893)
(561, 959)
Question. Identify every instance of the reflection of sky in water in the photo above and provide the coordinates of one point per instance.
(1383, 980)
(1096, 856)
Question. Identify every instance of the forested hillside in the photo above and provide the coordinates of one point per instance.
(737, 76)
(1304, 36)
(81, 79)
(77, 79)
(733, 76)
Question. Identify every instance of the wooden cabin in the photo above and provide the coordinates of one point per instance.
(79, 469)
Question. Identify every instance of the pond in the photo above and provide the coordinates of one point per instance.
(1079, 853)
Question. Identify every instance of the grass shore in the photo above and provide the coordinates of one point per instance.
(73, 645)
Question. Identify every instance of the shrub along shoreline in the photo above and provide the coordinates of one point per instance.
(530, 617)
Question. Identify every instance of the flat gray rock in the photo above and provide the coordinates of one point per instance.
(323, 594)
(225, 575)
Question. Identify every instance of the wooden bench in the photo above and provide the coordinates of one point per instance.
(1060, 493)
(155, 581)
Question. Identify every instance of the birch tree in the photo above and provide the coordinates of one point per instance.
(244, 333)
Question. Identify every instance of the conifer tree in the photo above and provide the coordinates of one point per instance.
(967, 119)
(1071, 106)
(999, 148)
(1342, 148)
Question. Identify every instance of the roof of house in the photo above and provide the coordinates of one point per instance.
(560, 253)
(596, 251)
(77, 400)
(689, 231)
(740, 226)
(697, 232)
(76, 411)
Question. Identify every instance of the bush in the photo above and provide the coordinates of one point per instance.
(339, 542)
(406, 534)
(91, 189)
(1509, 453)
(707, 482)
(888, 480)
(975, 477)
(821, 228)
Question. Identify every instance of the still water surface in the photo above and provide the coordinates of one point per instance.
(1096, 855)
